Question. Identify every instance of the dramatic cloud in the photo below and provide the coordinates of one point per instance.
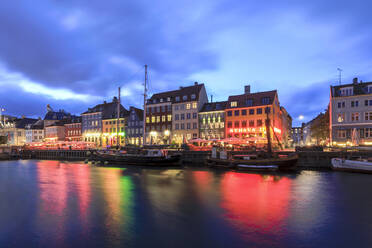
(76, 53)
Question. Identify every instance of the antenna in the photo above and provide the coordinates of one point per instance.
(144, 107)
(339, 75)
(118, 120)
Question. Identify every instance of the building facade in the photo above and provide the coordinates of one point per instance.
(134, 127)
(246, 114)
(73, 130)
(212, 121)
(55, 132)
(297, 136)
(111, 133)
(15, 130)
(286, 127)
(350, 114)
(35, 132)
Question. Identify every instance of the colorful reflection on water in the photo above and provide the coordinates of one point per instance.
(60, 204)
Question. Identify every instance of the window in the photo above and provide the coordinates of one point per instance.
(177, 126)
(188, 116)
(352, 104)
(366, 103)
(193, 96)
(169, 117)
(244, 112)
(339, 105)
(234, 104)
(194, 125)
(176, 107)
(229, 113)
(182, 116)
(188, 125)
(229, 124)
(341, 133)
(161, 99)
(267, 110)
(203, 121)
(244, 123)
(368, 132)
(237, 112)
(259, 111)
(158, 109)
(259, 123)
(168, 99)
(251, 123)
(177, 116)
(147, 119)
(356, 103)
(341, 117)
(343, 104)
(177, 98)
(194, 105)
(251, 112)
(184, 98)
(354, 116)
(162, 108)
(194, 115)
(169, 108)
(249, 102)
(368, 116)
(182, 107)
(163, 118)
(236, 124)
(265, 100)
(157, 118)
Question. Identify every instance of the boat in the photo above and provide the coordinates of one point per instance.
(146, 157)
(352, 165)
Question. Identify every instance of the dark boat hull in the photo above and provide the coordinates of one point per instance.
(265, 164)
(139, 160)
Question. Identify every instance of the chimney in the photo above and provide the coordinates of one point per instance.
(355, 80)
(115, 99)
(247, 89)
(196, 83)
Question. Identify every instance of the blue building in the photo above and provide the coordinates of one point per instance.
(134, 128)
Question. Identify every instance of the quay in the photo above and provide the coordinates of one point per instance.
(308, 160)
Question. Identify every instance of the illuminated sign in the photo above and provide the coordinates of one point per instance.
(245, 130)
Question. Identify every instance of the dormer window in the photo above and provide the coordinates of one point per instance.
(168, 99)
(347, 91)
(161, 99)
(265, 100)
(184, 98)
(234, 104)
(177, 98)
(249, 102)
(193, 96)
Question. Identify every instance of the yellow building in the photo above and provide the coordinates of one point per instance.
(111, 132)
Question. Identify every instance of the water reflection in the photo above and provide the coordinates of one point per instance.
(255, 204)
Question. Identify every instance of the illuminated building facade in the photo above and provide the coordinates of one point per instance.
(297, 136)
(91, 124)
(212, 121)
(111, 131)
(134, 127)
(73, 130)
(15, 130)
(55, 132)
(286, 127)
(35, 132)
(350, 114)
(246, 114)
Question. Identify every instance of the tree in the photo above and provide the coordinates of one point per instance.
(320, 128)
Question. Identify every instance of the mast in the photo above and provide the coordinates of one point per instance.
(268, 135)
(118, 120)
(144, 108)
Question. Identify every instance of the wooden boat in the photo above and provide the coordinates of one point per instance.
(357, 165)
(150, 157)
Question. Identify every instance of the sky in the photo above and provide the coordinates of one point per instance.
(74, 54)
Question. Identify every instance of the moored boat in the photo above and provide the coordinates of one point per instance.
(148, 157)
(357, 165)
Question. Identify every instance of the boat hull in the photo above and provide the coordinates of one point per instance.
(339, 164)
(124, 160)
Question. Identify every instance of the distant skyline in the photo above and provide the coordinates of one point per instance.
(74, 54)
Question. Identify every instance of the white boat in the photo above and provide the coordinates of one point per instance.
(360, 165)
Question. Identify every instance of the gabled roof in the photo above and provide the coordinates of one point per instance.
(182, 91)
(358, 89)
(23, 122)
(242, 100)
(214, 106)
(108, 110)
(54, 115)
(137, 111)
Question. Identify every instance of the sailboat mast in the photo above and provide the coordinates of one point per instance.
(118, 121)
(268, 134)
(144, 107)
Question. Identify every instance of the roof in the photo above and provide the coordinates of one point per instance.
(358, 88)
(214, 106)
(23, 122)
(139, 112)
(255, 97)
(54, 115)
(39, 124)
(182, 91)
(108, 110)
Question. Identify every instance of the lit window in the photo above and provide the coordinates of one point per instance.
(163, 118)
(193, 96)
(341, 117)
(188, 106)
(153, 119)
(157, 118)
(169, 117)
(234, 104)
(194, 105)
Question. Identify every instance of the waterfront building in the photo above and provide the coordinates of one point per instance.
(297, 136)
(187, 103)
(52, 116)
(286, 127)
(111, 131)
(91, 125)
(159, 118)
(245, 117)
(350, 114)
(134, 127)
(15, 130)
(35, 132)
(212, 121)
(55, 132)
(73, 130)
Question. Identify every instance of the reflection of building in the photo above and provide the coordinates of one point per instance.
(15, 130)
(73, 130)
(91, 125)
(212, 120)
(187, 103)
(134, 126)
(351, 112)
(35, 132)
(246, 114)
(111, 132)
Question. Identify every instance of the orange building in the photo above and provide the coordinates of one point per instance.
(245, 117)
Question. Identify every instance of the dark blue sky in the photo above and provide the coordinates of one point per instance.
(73, 54)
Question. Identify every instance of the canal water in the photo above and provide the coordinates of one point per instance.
(60, 204)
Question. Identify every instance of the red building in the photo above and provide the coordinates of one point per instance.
(73, 130)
